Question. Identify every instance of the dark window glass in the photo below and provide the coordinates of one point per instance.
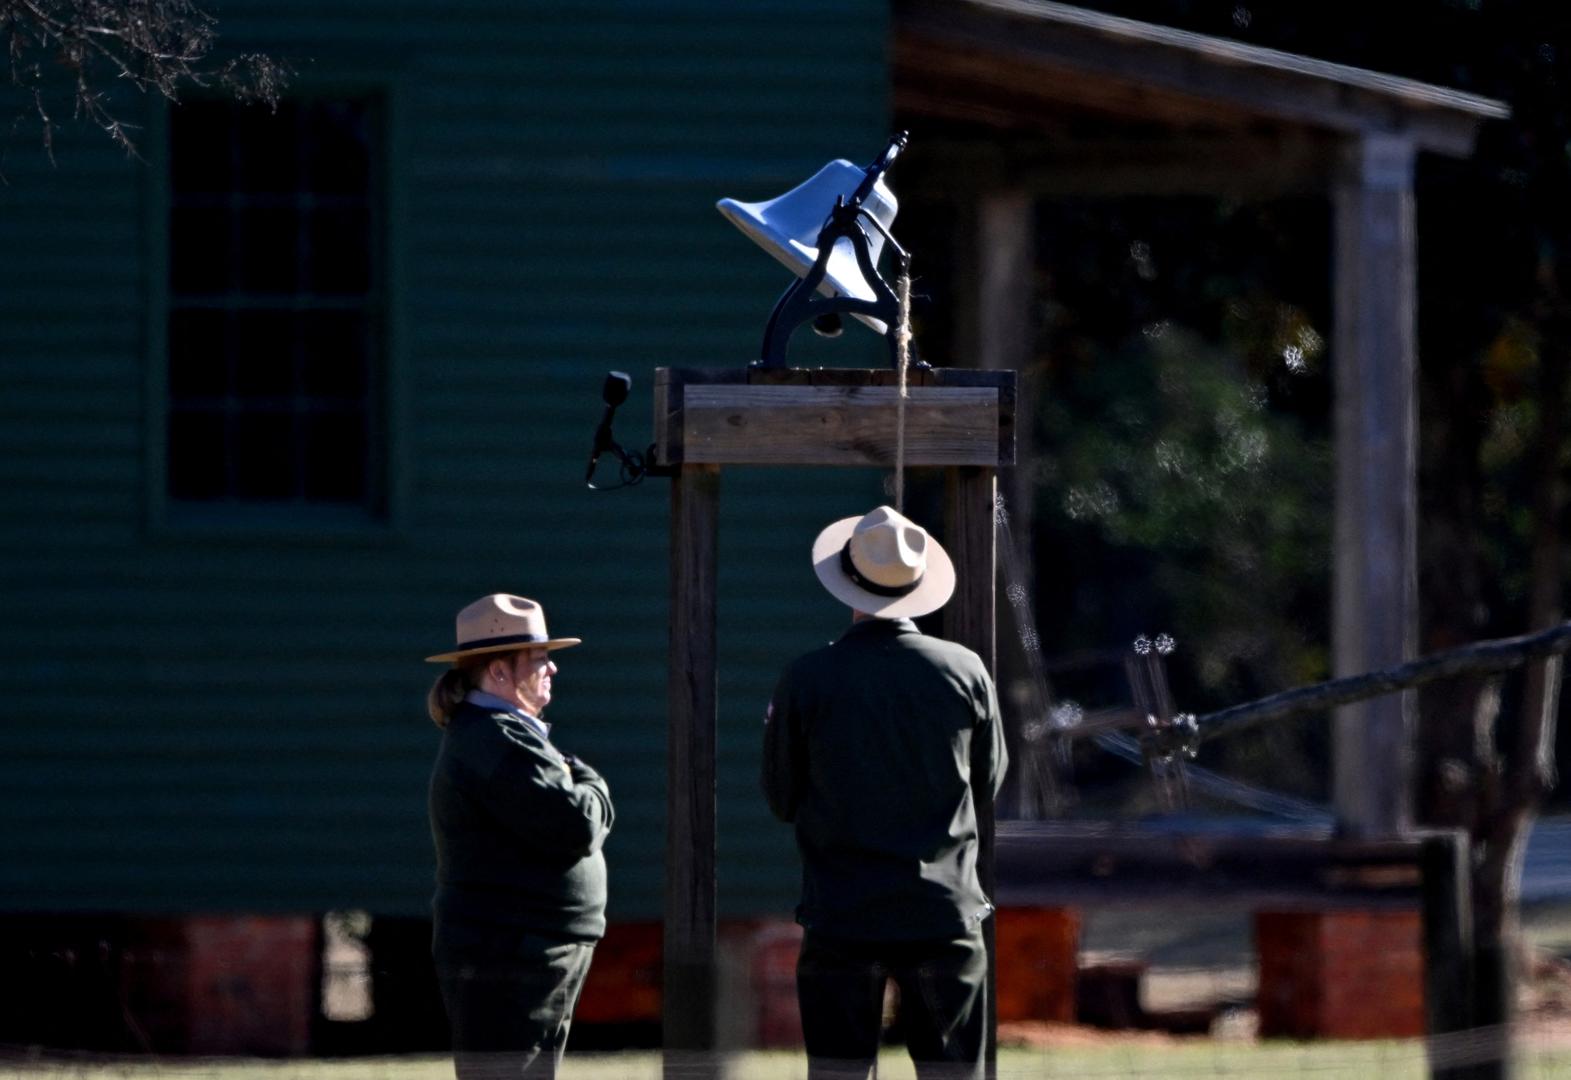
(200, 154)
(274, 303)
(264, 454)
(196, 455)
(338, 246)
(335, 459)
(338, 144)
(333, 360)
(269, 237)
(198, 356)
(264, 357)
(200, 249)
(267, 149)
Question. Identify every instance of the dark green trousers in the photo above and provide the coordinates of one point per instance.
(510, 1000)
(943, 1003)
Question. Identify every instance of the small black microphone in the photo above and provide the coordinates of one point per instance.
(613, 393)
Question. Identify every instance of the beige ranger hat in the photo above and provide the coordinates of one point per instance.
(884, 564)
(498, 623)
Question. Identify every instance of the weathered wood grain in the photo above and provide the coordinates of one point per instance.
(831, 416)
(1480, 658)
(1374, 576)
(829, 425)
(970, 618)
(691, 701)
(1055, 56)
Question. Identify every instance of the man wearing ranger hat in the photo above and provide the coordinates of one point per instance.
(868, 749)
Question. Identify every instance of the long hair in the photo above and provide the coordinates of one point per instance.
(453, 684)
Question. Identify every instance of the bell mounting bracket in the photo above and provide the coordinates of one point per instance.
(801, 301)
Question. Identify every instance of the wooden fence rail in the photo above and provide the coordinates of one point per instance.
(1479, 658)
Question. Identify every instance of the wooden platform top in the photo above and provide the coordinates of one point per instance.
(1004, 381)
(834, 416)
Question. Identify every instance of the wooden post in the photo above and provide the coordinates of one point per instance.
(970, 499)
(691, 700)
(995, 327)
(1448, 958)
(1374, 577)
(993, 320)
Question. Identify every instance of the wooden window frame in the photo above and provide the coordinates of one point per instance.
(388, 475)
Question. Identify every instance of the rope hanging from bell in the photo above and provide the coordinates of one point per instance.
(902, 332)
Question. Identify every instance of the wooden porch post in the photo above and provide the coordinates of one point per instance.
(1374, 576)
(993, 315)
(995, 251)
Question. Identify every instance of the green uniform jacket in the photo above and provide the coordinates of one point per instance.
(518, 830)
(868, 746)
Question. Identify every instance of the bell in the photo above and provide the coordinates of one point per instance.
(787, 227)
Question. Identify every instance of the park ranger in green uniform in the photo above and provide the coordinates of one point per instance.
(868, 750)
(519, 827)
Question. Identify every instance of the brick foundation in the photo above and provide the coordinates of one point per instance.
(1340, 975)
(1037, 951)
(774, 947)
(171, 985)
(623, 986)
(225, 985)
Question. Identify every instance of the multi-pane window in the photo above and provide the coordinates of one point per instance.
(275, 303)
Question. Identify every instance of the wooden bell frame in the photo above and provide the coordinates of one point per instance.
(962, 421)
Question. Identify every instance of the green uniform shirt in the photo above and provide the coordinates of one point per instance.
(518, 830)
(868, 746)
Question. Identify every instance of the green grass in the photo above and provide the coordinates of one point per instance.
(1199, 1058)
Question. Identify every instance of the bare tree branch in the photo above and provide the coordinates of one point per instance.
(73, 48)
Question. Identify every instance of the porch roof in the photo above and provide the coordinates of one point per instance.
(1030, 64)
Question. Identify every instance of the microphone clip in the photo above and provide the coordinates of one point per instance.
(634, 465)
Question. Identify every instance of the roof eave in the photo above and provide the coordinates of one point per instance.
(1205, 70)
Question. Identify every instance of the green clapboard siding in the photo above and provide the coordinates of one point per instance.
(224, 712)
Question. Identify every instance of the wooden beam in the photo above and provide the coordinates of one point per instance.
(834, 425)
(1123, 67)
(837, 417)
(938, 78)
(1375, 552)
(1098, 165)
(1479, 658)
(691, 702)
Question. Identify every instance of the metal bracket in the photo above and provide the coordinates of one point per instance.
(1168, 738)
(801, 302)
(634, 466)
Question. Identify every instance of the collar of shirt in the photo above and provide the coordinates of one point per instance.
(864, 627)
(495, 704)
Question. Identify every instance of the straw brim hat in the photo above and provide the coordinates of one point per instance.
(934, 585)
(458, 654)
(501, 622)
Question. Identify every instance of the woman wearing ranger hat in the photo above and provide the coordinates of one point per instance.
(518, 825)
(868, 750)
